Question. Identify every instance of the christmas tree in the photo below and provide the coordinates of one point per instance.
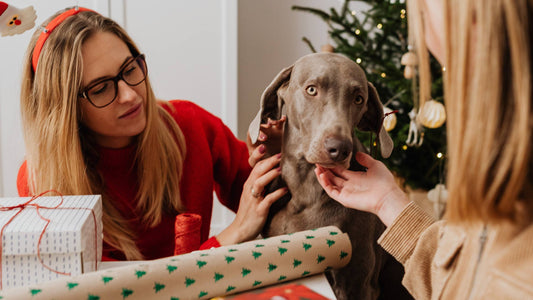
(376, 39)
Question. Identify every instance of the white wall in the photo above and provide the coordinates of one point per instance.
(270, 39)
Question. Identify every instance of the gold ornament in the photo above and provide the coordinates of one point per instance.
(389, 122)
(327, 48)
(432, 114)
(409, 60)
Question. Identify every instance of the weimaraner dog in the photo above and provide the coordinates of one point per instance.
(325, 96)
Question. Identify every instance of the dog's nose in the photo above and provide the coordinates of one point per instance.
(338, 149)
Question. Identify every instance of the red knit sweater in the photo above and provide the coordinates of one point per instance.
(215, 160)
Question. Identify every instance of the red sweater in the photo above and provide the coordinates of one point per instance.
(215, 160)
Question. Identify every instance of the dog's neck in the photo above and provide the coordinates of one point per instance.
(297, 172)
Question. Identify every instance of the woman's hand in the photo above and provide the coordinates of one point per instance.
(373, 191)
(270, 136)
(254, 204)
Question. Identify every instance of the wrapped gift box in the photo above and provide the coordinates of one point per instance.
(70, 243)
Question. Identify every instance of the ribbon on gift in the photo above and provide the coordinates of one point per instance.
(207, 273)
(37, 207)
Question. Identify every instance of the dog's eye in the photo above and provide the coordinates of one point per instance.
(359, 100)
(311, 90)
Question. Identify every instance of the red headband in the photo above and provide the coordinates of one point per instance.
(48, 30)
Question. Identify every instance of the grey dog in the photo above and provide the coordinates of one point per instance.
(325, 96)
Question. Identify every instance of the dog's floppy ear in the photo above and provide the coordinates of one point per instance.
(271, 104)
(372, 120)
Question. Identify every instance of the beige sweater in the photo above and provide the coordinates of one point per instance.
(444, 261)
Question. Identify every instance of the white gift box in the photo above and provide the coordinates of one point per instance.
(71, 243)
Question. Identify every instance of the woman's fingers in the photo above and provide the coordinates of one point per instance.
(256, 155)
(266, 171)
(272, 197)
(364, 159)
(261, 182)
(266, 165)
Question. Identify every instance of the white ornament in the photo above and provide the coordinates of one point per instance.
(432, 114)
(409, 60)
(438, 197)
(389, 122)
(415, 136)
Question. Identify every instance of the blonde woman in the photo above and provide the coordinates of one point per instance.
(483, 247)
(92, 125)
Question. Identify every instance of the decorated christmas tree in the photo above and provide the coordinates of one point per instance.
(376, 39)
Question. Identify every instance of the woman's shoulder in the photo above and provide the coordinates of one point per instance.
(182, 107)
(191, 117)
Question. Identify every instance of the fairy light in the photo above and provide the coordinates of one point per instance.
(383, 75)
(443, 69)
(404, 147)
(439, 155)
(353, 12)
(358, 60)
(402, 14)
(357, 31)
(379, 26)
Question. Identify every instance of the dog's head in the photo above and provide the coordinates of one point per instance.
(326, 96)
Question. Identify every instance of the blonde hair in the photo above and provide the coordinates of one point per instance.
(488, 97)
(51, 114)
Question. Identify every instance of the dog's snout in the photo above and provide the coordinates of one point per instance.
(338, 149)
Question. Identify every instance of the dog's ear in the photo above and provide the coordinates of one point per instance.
(372, 120)
(271, 103)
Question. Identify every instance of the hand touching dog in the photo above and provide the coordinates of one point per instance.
(373, 190)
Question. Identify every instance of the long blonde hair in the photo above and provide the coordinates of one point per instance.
(488, 96)
(61, 151)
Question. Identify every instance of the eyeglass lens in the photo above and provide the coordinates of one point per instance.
(104, 92)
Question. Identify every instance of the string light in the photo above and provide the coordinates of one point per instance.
(404, 147)
(358, 60)
(383, 75)
(379, 26)
(443, 69)
(357, 31)
(402, 14)
(439, 155)
(353, 12)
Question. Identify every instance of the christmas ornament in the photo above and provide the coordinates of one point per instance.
(438, 197)
(327, 48)
(389, 122)
(14, 20)
(415, 136)
(409, 60)
(432, 114)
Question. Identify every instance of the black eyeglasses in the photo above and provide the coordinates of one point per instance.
(104, 92)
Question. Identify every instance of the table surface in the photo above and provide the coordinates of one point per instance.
(317, 282)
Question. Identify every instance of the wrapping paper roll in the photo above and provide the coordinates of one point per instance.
(205, 274)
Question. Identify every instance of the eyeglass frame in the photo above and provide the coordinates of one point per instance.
(116, 79)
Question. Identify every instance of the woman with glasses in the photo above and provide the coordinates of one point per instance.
(92, 125)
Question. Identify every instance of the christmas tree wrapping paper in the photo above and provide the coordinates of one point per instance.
(205, 274)
(45, 238)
